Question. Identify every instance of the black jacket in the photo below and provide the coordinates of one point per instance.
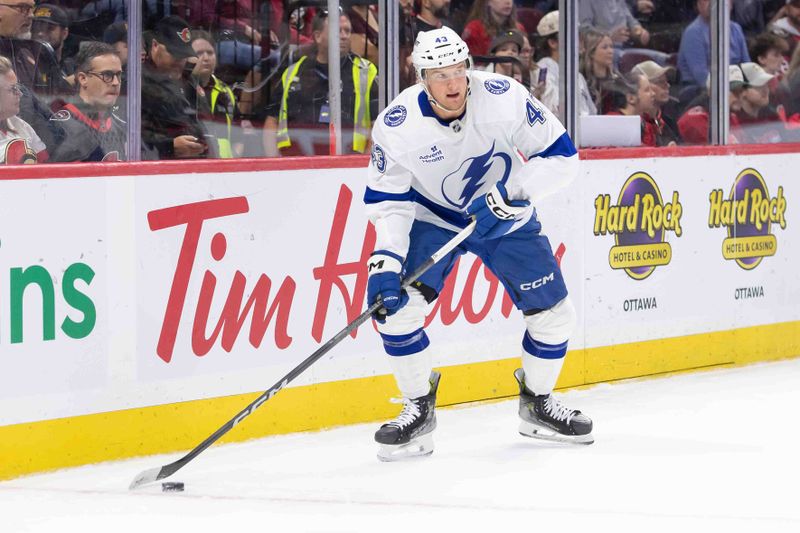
(170, 108)
(86, 135)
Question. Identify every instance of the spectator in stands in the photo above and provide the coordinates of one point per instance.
(171, 109)
(768, 50)
(19, 143)
(547, 29)
(16, 19)
(615, 18)
(487, 18)
(693, 124)
(51, 26)
(34, 65)
(430, 15)
(89, 129)
(759, 121)
(790, 22)
(694, 55)
(633, 95)
(298, 118)
(665, 103)
(218, 95)
(597, 66)
(506, 44)
(117, 36)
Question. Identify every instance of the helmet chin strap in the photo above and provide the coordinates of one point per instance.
(433, 101)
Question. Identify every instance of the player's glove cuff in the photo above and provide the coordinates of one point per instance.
(384, 261)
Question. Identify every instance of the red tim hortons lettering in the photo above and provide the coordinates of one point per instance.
(193, 216)
(233, 315)
(331, 272)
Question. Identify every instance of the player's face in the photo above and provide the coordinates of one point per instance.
(94, 90)
(9, 96)
(206, 58)
(448, 86)
(15, 22)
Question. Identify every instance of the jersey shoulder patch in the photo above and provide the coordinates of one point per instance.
(61, 116)
(395, 116)
(497, 85)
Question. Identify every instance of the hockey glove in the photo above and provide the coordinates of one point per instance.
(384, 282)
(494, 213)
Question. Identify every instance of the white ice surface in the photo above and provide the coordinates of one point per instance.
(714, 451)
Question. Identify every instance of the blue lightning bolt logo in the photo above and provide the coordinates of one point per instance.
(463, 184)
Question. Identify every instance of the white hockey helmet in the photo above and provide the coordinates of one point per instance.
(438, 48)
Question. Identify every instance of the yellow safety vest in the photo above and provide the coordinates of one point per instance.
(364, 74)
(225, 150)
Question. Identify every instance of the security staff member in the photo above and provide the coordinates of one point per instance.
(218, 94)
(298, 118)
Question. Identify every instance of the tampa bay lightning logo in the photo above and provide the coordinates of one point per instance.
(395, 116)
(534, 114)
(379, 158)
(459, 187)
(497, 86)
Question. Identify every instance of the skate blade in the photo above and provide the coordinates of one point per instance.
(420, 447)
(529, 429)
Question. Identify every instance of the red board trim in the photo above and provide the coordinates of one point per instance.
(145, 168)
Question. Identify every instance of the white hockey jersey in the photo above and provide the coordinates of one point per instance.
(425, 168)
(19, 144)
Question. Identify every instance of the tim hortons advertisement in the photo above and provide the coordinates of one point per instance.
(238, 280)
(54, 294)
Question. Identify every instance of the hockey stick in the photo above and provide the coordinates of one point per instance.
(155, 474)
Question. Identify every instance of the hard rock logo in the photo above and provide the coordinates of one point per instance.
(748, 215)
(639, 222)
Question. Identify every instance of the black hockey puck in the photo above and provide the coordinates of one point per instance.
(172, 486)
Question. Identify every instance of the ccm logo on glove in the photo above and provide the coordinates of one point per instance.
(494, 213)
(384, 270)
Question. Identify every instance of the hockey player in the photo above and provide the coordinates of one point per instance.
(445, 150)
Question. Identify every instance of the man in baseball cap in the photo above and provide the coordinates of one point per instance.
(51, 26)
(174, 35)
(171, 98)
(659, 79)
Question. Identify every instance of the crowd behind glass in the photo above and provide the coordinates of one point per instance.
(249, 78)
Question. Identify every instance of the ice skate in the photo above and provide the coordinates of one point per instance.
(411, 433)
(545, 417)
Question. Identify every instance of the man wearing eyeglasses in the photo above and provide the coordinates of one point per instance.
(16, 18)
(88, 128)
